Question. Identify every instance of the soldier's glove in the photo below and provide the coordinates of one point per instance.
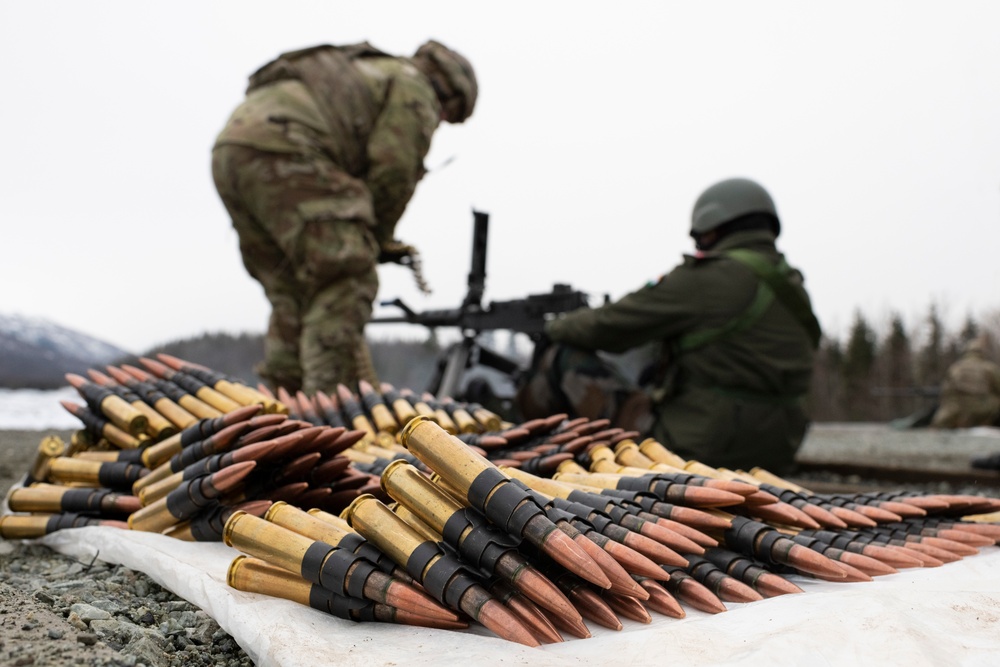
(396, 252)
(404, 254)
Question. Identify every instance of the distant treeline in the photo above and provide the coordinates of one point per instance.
(878, 375)
(870, 376)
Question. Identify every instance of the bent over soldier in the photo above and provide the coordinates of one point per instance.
(315, 168)
(736, 336)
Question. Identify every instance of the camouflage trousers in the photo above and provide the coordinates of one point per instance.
(304, 230)
(580, 383)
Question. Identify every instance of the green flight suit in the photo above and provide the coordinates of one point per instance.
(733, 401)
(315, 168)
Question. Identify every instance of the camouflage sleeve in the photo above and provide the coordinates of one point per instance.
(397, 147)
(658, 311)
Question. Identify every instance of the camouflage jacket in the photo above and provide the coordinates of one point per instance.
(371, 114)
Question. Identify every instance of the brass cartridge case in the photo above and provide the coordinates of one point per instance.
(175, 413)
(413, 490)
(596, 479)
(384, 421)
(403, 410)
(464, 422)
(415, 522)
(305, 523)
(198, 407)
(158, 427)
(444, 453)
(49, 448)
(627, 453)
(217, 399)
(253, 575)
(150, 493)
(490, 421)
(377, 524)
(64, 469)
(23, 527)
(265, 540)
(657, 452)
(123, 414)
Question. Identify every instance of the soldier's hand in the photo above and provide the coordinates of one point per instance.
(396, 252)
(404, 254)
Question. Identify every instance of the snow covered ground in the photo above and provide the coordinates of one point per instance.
(35, 409)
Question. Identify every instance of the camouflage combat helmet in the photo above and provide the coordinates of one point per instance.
(452, 77)
(730, 199)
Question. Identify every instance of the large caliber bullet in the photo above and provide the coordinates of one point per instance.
(192, 385)
(750, 572)
(220, 441)
(441, 415)
(49, 448)
(868, 565)
(660, 599)
(162, 451)
(155, 398)
(31, 526)
(234, 389)
(256, 452)
(586, 599)
(54, 499)
(179, 395)
(158, 427)
(254, 575)
(488, 490)
(854, 542)
(102, 427)
(331, 529)
(189, 498)
(442, 575)
(418, 404)
(690, 591)
(754, 538)
(105, 402)
(474, 539)
(464, 422)
(401, 408)
(531, 616)
(115, 475)
(375, 406)
(209, 523)
(725, 586)
(337, 569)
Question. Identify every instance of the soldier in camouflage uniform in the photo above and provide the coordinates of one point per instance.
(736, 334)
(970, 393)
(315, 168)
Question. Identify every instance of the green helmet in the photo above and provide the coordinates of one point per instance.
(730, 199)
(459, 92)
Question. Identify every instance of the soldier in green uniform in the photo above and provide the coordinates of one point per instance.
(315, 168)
(736, 336)
(970, 393)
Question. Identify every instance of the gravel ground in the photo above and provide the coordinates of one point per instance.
(55, 611)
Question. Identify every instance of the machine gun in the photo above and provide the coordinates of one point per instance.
(527, 316)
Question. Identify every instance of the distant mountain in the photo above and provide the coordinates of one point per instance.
(37, 353)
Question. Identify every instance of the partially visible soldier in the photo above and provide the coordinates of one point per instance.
(315, 168)
(736, 336)
(970, 393)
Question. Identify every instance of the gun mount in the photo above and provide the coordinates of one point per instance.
(527, 316)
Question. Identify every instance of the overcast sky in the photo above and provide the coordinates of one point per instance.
(875, 125)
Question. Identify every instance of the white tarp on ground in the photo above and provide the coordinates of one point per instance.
(948, 615)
